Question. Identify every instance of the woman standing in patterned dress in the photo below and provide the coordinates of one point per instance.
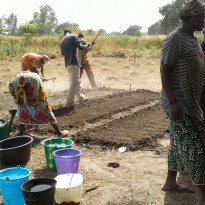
(183, 81)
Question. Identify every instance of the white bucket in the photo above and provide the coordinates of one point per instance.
(69, 188)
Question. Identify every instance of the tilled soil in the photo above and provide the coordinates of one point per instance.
(132, 119)
(129, 117)
(112, 119)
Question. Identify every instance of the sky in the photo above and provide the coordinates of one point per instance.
(110, 15)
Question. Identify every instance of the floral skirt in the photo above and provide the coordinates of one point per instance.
(187, 148)
(35, 113)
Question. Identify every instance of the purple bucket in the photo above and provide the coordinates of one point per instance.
(67, 160)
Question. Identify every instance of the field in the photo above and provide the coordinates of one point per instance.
(122, 111)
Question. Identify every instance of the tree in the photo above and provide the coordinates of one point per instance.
(67, 25)
(115, 33)
(102, 32)
(28, 28)
(133, 31)
(169, 12)
(2, 23)
(89, 32)
(155, 29)
(45, 21)
(9, 24)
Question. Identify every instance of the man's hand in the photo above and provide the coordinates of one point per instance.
(92, 43)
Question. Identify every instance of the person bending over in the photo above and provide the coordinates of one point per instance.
(33, 107)
(34, 62)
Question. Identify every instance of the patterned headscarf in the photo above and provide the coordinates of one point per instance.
(192, 8)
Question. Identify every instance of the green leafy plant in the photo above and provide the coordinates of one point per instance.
(10, 49)
(121, 41)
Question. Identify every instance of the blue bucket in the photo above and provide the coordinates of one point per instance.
(11, 180)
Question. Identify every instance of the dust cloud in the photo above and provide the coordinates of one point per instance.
(56, 85)
(60, 84)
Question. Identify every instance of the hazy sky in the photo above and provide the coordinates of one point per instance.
(110, 15)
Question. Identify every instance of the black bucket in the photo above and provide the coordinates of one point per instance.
(15, 151)
(39, 191)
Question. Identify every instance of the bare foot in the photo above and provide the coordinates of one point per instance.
(64, 133)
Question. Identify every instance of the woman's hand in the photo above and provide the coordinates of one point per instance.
(176, 111)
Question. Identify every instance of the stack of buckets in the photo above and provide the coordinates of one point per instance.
(66, 188)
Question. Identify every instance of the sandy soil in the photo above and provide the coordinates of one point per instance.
(122, 111)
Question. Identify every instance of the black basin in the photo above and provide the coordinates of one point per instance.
(15, 151)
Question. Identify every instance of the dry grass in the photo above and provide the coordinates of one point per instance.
(107, 46)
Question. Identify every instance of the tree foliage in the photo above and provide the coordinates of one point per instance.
(28, 28)
(169, 12)
(67, 25)
(102, 32)
(133, 31)
(89, 32)
(115, 33)
(45, 20)
(155, 29)
(2, 24)
(8, 25)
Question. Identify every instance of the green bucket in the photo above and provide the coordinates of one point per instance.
(4, 130)
(51, 145)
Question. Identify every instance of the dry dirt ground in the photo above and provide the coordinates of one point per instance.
(122, 111)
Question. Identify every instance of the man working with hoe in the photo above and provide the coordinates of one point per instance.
(69, 47)
(84, 60)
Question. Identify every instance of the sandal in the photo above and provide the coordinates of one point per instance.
(179, 188)
(64, 133)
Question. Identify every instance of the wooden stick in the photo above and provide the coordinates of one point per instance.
(91, 189)
(96, 36)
